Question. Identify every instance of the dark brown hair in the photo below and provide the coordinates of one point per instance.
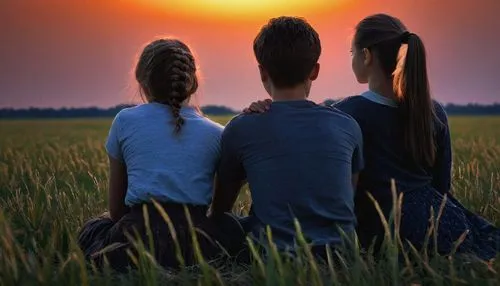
(287, 48)
(166, 73)
(384, 36)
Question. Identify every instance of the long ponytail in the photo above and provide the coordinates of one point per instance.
(402, 57)
(411, 86)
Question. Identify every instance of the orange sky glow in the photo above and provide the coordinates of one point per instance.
(237, 10)
(82, 52)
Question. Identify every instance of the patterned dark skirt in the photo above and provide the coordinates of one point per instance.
(101, 239)
(459, 230)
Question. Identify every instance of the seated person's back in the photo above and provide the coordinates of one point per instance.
(161, 165)
(166, 151)
(298, 159)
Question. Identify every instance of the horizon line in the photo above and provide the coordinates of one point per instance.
(494, 103)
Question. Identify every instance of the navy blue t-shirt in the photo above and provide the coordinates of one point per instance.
(386, 155)
(298, 159)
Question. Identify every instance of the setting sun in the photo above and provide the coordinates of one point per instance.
(242, 9)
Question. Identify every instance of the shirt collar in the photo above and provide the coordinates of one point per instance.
(377, 98)
(186, 110)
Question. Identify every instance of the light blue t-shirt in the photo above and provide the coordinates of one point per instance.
(162, 165)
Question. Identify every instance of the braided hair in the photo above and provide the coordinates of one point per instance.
(166, 73)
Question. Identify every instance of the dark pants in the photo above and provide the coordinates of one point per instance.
(319, 252)
(370, 229)
(101, 238)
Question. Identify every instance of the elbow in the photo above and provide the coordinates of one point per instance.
(116, 213)
(114, 216)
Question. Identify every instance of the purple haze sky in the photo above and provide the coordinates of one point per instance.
(56, 53)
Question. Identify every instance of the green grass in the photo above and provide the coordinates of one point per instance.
(53, 177)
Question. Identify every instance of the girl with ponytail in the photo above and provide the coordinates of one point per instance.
(406, 139)
(164, 151)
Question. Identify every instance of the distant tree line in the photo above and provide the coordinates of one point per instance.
(89, 112)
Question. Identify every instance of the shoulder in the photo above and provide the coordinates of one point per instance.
(211, 126)
(132, 117)
(440, 111)
(356, 106)
(128, 121)
(349, 102)
(441, 119)
(209, 129)
(241, 124)
(120, 116)
(242, 120)
(335, 111)
(130, 112)
(342, 118)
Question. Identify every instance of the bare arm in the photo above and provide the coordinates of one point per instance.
(358, 162)
(230, 173)
(117, 189)
(225, 195)
(355, 178)
(441, 173)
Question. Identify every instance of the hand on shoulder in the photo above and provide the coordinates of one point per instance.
(259, 106)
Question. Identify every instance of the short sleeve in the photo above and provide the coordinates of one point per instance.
(358, 162)
(217, 144)
(113, 146)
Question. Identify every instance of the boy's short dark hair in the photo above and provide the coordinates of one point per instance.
(287, 48)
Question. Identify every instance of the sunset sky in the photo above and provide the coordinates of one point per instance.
(74, 53)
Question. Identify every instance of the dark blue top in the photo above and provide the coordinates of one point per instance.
(384, 148)
(298, 159)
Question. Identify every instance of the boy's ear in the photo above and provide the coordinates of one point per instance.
(264, 76)
(315, 72)
(368, 57)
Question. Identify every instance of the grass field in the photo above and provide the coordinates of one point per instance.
(53, 177)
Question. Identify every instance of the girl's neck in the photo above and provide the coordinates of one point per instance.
(381, 85)
(185, 103)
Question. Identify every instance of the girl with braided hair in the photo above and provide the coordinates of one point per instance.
(163, 150)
